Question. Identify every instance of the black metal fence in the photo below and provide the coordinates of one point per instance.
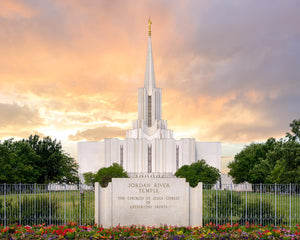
(46, 203)
(263, 204)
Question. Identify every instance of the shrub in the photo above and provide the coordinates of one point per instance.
(197, 172)
(105, 175)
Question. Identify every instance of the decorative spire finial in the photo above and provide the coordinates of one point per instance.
(150, 26)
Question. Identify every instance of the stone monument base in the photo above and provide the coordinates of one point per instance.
(149, 202)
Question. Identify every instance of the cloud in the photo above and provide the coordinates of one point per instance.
(98, 134)
(229, 72)
(238, 132)
(233, 51)
(19, 116)
(115, 120)
(20, 134)
(15, 9)
(242, 53)
(19, 121)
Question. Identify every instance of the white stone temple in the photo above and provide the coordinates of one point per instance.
(149, 147)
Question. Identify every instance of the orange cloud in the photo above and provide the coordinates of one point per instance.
(15, 9)
(71, 67)
(97, 134)
(17, 115)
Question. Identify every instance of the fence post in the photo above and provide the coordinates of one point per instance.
(35, 222)
(65, 205)
(49, 189)
(290, 204)
(231, 206)
(20, 204)
(260, 205)
(80, 194)
(79, 204)
(275, 206)
(97, 201)
(217, 205)
(4, 204)
(246, 202)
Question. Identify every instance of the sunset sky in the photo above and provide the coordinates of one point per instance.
(229, 70)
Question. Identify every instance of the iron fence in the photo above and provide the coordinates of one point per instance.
(46, 203)
(263, 204)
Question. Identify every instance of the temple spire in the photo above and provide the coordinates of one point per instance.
(149, 26)
(149, 72)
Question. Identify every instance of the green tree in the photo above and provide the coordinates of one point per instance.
(36, 160)
(54, 165)
(275, 161)
(89, 178)
(16, 159)
(197, 172)
(295, 134)
(104, 175)
(249, 165)
(287, 163)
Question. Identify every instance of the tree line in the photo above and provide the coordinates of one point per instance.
(36, 160)
(274, 161)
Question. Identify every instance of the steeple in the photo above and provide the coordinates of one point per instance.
(149, 124)
(149, 82)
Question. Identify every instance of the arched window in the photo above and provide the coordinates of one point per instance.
(121, 155)
(177, 157)
(149, 112)
(149, 158)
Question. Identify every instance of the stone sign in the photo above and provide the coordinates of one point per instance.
(149, 202)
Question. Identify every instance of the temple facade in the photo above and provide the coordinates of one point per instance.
(149, 147)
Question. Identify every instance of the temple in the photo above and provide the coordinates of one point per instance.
(149, 147)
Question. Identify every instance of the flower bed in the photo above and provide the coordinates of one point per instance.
(210, 231)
